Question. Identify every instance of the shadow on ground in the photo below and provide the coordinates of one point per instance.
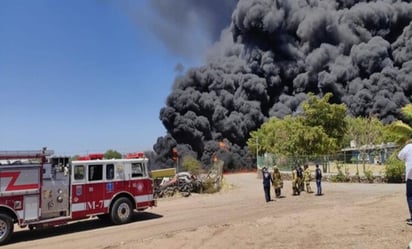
(82, 225)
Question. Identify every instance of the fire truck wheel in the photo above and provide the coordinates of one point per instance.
(121, 211)
(6, 228)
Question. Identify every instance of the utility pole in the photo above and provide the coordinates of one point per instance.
(257, 152)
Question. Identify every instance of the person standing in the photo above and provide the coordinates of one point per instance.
(277, 181)
(295, 181)
(267, 179)
(318, 177)
(307, 178)
(299, 172)
(406, 155)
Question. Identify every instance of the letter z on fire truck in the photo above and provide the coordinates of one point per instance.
(38, 190)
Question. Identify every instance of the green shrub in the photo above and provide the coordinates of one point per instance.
(369, 175)
(394, 170)
(192, 165)
(340, 176)
(210, 186)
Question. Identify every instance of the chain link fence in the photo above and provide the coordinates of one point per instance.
(352, 161)
(286, 163)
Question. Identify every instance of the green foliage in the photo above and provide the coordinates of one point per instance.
(364, 131)
(112, 154)
(318, 131)
(331, 117)
(340, 176)
(209, 186)
(407, 112)
(394, 169)
(254, 145)
(192, 165)
(281, 135)
(369, 175)
(400, 131)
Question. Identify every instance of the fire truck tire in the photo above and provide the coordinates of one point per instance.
(6, 228)
(122, 211)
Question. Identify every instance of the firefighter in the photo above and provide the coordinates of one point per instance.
(277, 181)
(295, 181)
(306, 178)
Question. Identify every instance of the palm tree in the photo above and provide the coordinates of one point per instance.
(402, 132)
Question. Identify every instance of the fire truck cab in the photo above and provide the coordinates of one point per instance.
(37, 190)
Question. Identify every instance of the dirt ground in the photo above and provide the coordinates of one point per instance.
(348, 215)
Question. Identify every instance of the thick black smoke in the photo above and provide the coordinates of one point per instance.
(274, 53)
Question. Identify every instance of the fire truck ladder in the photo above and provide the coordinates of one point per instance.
(27, 154)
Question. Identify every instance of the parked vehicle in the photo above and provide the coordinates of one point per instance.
(38, 190)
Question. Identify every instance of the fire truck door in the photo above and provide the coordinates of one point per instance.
(78, 192)
(95, 189)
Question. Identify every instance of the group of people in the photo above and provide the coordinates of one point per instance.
(300, 180)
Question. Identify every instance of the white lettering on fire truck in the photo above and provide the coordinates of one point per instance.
(95, 204)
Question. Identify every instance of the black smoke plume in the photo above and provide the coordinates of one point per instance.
(276, 51)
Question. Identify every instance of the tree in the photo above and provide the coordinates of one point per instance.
(401, 131)
(319, 130)
(331, 117)
(365, 132)
(275, 136)
(112, 154)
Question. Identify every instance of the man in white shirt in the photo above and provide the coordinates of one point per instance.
(406, 155)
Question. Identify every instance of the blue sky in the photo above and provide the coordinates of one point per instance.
(81, 76)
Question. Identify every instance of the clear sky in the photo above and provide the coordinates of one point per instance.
(81, 76)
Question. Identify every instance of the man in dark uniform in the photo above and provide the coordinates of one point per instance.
(318, 176)
(299, 172)
(267, 179)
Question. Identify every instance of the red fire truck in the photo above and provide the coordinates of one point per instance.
(37, 190)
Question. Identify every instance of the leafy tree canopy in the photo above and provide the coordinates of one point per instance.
(365, 131)
(112, 154)
(399, 130)
(319, 130)
(319, 112)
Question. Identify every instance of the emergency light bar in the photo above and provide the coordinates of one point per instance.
(96, 156)
(135, 155)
